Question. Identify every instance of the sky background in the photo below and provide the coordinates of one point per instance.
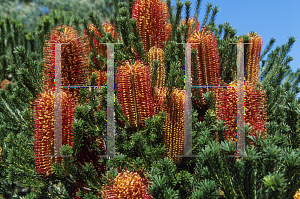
(269, 18)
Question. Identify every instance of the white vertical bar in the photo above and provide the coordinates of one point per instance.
(188, 142)
(240, 100)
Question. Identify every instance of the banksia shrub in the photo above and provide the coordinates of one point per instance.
(159, 99)
(208, 69)
(127, 185)
(134, 92)
(173, 136)
(253, 58)
(152, 17)
(44, 129)
(73, 59)
(157, 54)
(254, 104)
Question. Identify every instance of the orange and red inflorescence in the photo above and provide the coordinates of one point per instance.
(44, 129)
(173, 135)
(73, 59)
(254, 104)
(152, 17)
(208, 69)
(253, 58)
(134, 92)
(127, 185)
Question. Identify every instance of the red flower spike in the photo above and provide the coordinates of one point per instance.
(127, 185)
(208, 70)
(44, 129)
(134, 92)
(73, 59)
(152, 17)
(255, 109)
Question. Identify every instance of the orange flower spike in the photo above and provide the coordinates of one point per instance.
(44, 129)
(152, 17)
(208, 69)
(127, 185)
(253, 58)
(73, 58)
(134, 91)
(255, 108)
(157, 54)
(173, 136)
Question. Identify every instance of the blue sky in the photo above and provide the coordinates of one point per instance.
(269, 18)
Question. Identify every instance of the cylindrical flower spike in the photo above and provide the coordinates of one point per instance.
(73, 59)
(208, 69)
(157, 54)
(134, 92)
(127, 185)
(253, 58)
(173, 136)
(152, 17)
(255, 109)
(44, 129)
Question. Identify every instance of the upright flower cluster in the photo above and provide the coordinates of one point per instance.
(127, 185)
(159, 55)
(173, 136)
(253, 58)
(208, 69)
(44, 129)
(73, 58)
(134, 92)
(152, 17)
(254, 104)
